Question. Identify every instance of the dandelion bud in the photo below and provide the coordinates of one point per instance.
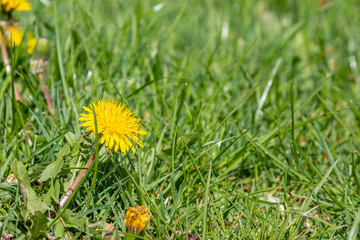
(40, 57)
(136, 219)
(42, 49)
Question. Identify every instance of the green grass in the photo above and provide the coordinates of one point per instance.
(242, 101)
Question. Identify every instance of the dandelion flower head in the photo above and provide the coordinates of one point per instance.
(15, 35)
(117, 124)
(136, 219)
(15, 5)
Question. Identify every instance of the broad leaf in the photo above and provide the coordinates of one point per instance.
(39, 222)
(54, 168)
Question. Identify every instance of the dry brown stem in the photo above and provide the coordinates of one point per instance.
(71, 189)
(46, 94)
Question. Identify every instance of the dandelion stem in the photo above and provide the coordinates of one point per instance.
(5, 58)
(129, 236)
(46, 94)
(82, 173)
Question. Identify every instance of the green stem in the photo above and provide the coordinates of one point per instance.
(97, 149)
(95, 174)
(129, 236)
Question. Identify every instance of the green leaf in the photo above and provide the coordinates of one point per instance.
(70, 137)
(33, 203)
(37, 205)
(59, 230)
(75, 150)
(39, 222)
(2, 157)
(53, 193)
(22, 175)
(4, 163)
(70, 221)
(54, 168)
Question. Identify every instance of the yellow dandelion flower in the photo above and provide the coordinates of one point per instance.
(136, 219)
(31, 42)
(14, 36)
(15, 5)
(117, 124)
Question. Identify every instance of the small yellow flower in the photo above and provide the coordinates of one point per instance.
(31, 42)
(117, 124)
(15, 5)
(136, 219)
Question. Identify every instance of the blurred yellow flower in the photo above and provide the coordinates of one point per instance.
(31, 42)
(117, 124)
(14, 36)
(136, 219)
(15, 5)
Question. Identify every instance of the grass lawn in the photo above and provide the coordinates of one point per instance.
(251, 108)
